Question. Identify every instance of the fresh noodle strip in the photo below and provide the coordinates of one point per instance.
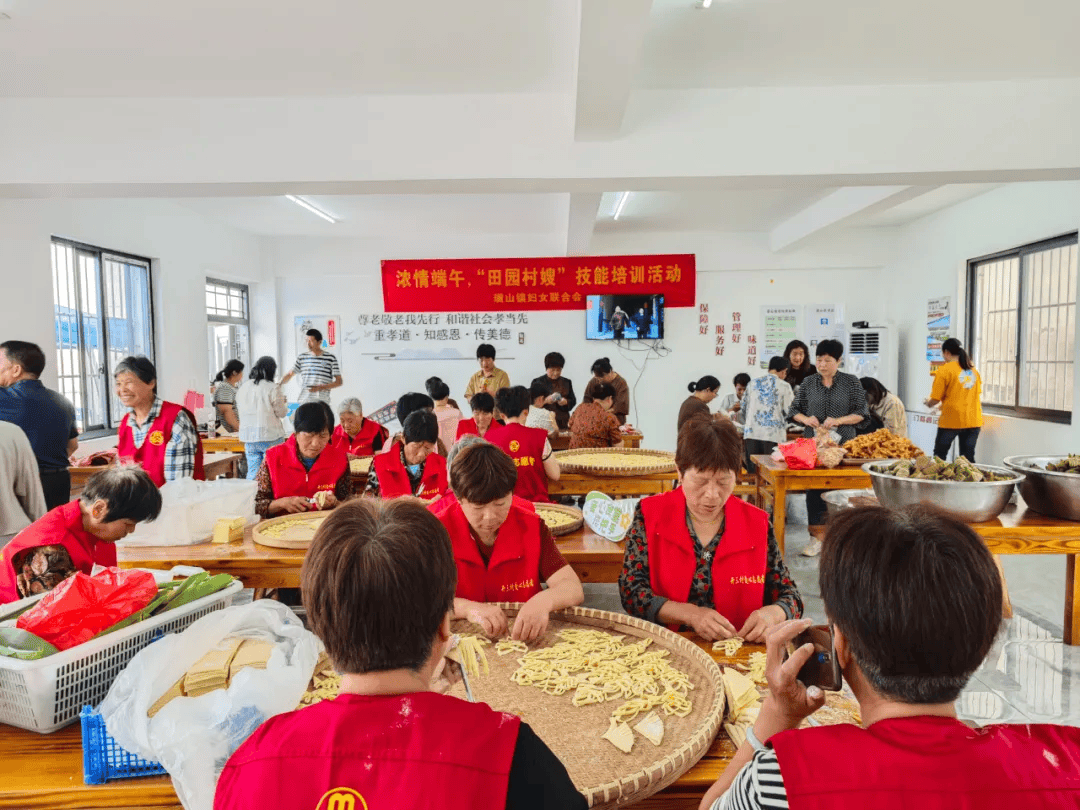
(506, 645)
(473, 657)
(730, 646)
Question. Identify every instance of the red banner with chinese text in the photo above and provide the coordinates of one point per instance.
(563, 282)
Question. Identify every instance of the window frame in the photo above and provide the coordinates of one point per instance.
(244, 289)
(1020, 253)
(102, 255)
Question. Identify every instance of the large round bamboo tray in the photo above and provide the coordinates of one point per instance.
(607, 777)
(299, 532)
(361, 466)
(663, 462)
(570, 511)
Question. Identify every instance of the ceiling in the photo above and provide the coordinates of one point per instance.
(929, 203)
(726, 210)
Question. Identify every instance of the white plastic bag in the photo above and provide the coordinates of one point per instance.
(190, 508)
(193, 737)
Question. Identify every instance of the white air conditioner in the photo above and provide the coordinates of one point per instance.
(873, 352)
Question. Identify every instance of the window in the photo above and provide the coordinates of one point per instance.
(1022, 316)
(103, 314)
(227, 322)
(226, 301)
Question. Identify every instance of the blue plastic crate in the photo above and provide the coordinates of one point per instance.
(103, 758)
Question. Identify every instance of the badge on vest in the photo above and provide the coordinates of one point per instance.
(157, 438)
(342, 799)
(748, 580)
(514, 445)
(517, 586)
(526, 461)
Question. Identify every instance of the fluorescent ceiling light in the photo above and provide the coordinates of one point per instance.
(305, 204)
(706, 3)
(621, 205)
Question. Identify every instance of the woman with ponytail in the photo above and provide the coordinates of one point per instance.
(702, 393)
(225, 384)
(958, 387)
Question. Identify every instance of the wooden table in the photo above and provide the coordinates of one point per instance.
(593, 558)
(613, 485)
(562, 441)
(44, 772)
(223, 444)
(215, 465)
(775, 481)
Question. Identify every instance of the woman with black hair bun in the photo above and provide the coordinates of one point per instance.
(958, 387)
(702, 393)
(604, 373)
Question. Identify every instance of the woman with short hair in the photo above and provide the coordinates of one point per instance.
(483, 415)
(225, 385)
(592, 424)
(357, 435)
(160, 436)
(702, 393)
(603, 373)
(732, 404)
(411, 466)
(700, 558)
(765, 405)
(885, 407)
(307, 472)
(527, 447)
(378, 586)
(539, 416)
(913, 598)
(503, 552)
(958, 388)
(261, 406)
(561, 399)
(80, 534)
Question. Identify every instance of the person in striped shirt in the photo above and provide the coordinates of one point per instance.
(319, 371)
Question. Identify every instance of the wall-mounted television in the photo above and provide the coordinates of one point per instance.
(624, 317)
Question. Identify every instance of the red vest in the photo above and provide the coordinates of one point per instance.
(288, 476)
(61, 526)
(525, 445)
(151, 456)
(930, 763)
(449, 499)
(738, 569)
(362, 444)
(421, 751)
(513, 572)
(394, 478)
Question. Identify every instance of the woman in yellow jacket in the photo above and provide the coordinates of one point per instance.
(958, 387)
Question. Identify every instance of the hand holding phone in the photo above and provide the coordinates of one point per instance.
(821, 669)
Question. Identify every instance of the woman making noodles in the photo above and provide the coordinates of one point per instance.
(698, 557)
(702, 393)
(503, 551)
(483, 414)
(411, 466)
(78, 535)
(358, 436)
(307, 472)
(830, 399)
(592, 424)
(159, 436)
(603, 374)
(378, 585)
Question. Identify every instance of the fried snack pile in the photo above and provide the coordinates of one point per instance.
(881, 444)
(925, 468)
(1066, 465)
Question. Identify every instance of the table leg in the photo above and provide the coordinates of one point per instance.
(1072, 601)
(779, 513)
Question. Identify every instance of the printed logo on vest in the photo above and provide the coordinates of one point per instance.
(157, 438)
(342, 799)
(748, 580)
(514, 445)
(516, 586)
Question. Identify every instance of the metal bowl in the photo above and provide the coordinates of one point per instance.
(837, 500)
(974, 502)
(1055, 494)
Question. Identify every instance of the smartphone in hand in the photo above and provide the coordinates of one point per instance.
(822, 669)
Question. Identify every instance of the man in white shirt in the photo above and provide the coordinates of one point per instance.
(732, 404)
(319, 371)
(765, 406)
(22, 500)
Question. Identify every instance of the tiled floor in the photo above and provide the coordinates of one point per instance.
(1029, 676)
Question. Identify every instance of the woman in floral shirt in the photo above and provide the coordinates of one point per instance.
(698, 557)
(593, 424)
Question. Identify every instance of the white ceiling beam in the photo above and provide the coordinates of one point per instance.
(580, 221)
(610, 39)
(838, 206)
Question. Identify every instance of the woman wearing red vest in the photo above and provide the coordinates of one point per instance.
(503, 551)
(483, 416)
(411, 466)
(388, 740)
(914, 598)
(527, 447)
(699, 557)
(77, 535)
(159, 436)
(357, 436)
(307, 472)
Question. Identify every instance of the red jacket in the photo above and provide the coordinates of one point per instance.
(394, 478)
(151, 456)
(362, 444)
(933, 763)
(525, 445)
(738, 569)
(289, 478)
(439, 506)
(422, 751)
(62, 526)
(513, 572)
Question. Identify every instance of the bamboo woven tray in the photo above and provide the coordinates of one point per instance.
(607, 777)
(663, 462)
(299, 530)
(569, 511)
(361, 466)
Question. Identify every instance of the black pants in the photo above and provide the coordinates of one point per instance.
(944, 439)
(57, 487)
(816, 510)
(756, 447)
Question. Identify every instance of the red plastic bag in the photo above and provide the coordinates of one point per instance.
(800, 454)
(82, 606)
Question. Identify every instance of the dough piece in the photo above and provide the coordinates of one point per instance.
(651, 727)
(619, 735)
(729, 646)
(251, 653)
(175, 691)
(739, 690)
(211, 672)
(321, 497)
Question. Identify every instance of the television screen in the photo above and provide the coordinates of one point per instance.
(624, 317)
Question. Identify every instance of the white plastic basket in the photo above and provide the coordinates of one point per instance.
(48, 694)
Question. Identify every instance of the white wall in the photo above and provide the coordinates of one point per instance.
(185, 249)
(930, 261)
(341, 277)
